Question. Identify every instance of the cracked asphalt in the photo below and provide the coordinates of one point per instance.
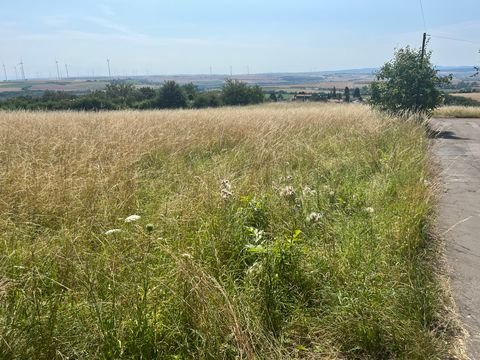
(457, 149)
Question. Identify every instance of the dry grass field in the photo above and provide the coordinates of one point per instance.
(270, 232)
(474, 96)
(457, 112)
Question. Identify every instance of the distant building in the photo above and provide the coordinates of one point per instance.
(301, 97)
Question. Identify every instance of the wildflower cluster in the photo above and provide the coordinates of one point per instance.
(226, 190)
(314, 217)
(288, 192)
(307, 191)
(128, 219)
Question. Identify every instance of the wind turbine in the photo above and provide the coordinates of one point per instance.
(5, 72)
(16, 72)
(58, 70)
(22, 71)
(108, 64)
(66, 71)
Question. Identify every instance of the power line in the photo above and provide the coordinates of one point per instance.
(454, 39)
(423, 16)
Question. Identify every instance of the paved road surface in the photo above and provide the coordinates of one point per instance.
(457, 148)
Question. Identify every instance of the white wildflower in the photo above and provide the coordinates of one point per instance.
(132, 218)
(187, 256)
(288, 192)
(256, 234)
(256, 268)
(307, 191)
(332, 193)
(225, 194)
(112, 231)
(226, 185)
(289, 178)
(314, 217)
(370, 210)
(225, 190)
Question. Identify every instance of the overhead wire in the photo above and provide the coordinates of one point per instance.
(423, 16)
(454, 39)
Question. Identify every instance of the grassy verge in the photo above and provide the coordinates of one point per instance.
(458, 112)
(289, 231)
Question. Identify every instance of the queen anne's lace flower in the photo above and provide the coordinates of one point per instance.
(112, 231)
(132, 218)
(226, 190)
(288, 192)
(314, 217)
(307, 191)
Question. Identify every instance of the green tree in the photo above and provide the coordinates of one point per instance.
(273, 97)
(190, 90)
(407, 84)
(206, 99)
(145, 93)
(119, 90)
(346, 94)
(356, 93)
(171, 96)
(235, 92)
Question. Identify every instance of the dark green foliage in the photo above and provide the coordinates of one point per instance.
(235, 92)
(120, 95)
(356, 93)
(119, 90)
(273, 97)
(91, 103)
(406, 84)
(191, 91)
(319, 97)
(171, 96)
(346, 94)
(207, 100)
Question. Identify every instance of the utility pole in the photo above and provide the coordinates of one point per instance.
(66, 71)
(5, 72)
(109, 73)
(424, 43)
(231, 70)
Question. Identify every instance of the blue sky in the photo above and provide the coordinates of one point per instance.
(189, 36)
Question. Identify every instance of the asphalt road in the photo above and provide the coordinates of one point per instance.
(457, 148)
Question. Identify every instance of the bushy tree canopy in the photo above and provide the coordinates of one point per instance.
(235, 92)
(171, 96)
(406, 84)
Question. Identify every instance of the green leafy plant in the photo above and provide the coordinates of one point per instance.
(407, 84)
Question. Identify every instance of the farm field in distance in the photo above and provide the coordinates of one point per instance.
(279, 231)
(473, 95)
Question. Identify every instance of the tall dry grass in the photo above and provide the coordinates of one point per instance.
(318, 250)
(457, 112)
